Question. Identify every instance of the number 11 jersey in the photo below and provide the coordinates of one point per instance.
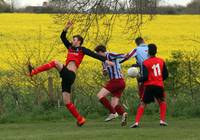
(154, 72)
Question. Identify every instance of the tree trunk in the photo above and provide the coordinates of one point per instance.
(50, 89)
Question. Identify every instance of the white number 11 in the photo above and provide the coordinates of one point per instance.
(156, 69)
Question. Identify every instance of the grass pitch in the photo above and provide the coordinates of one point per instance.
(99, 130)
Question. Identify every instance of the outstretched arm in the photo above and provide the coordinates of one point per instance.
(96, 56)
(113, 56)
(63, 35)
(93, 54)
(129, 55)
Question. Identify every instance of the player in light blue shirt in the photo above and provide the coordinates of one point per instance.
(141, 54)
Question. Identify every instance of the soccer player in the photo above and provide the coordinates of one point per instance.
(141, 54)
(115, 86)
(154, 72)
(68, 71)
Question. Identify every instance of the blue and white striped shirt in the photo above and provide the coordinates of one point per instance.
(114, 71)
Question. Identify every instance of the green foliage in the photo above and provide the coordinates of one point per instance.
(183, 84)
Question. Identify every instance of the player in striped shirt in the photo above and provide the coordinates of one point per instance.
(115, 86)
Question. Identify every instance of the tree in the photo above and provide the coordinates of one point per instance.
(100, 16)
(194, 7)
(4, 7)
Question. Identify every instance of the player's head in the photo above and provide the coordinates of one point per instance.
(152, 49)
(101, 49)
(139, 41)
(77, 41)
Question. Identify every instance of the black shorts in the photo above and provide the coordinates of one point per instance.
(68, 78)
(153, 92)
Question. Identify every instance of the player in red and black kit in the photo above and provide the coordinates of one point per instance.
(154, 72)
(68, 71)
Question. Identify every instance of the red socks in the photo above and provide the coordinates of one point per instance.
(71, 107)
(44, 67)
(107, 105)
(163, 109)
(119, 109)
(139, 114)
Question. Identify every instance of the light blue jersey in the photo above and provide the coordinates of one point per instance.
(140, 53)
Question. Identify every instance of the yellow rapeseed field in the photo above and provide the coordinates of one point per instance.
(168, 32)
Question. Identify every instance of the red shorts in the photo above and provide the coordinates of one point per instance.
(116, 87)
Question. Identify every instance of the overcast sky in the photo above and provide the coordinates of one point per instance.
(23, 3)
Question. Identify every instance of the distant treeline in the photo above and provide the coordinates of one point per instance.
(191, 8)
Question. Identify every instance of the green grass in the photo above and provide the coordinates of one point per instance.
(97, 130)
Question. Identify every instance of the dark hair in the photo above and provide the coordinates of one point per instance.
(139, 40)
(100, 48)
(152, 49)
(80, 38)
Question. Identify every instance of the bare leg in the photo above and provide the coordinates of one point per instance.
(103, 93)
(114, 101)
(66, 97)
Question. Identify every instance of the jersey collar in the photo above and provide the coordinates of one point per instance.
(142, 45)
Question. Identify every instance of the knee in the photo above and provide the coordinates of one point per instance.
(99, 96)
(66, 98)
(161, 100)
(142, 104)
(56, 62)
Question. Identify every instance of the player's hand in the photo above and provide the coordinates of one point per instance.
(126, 56)
(110, 63)
(68, 25)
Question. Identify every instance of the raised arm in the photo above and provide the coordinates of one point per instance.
(64, 39)
(63, 35)
(129, 55)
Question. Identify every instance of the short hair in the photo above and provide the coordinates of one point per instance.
(80, 38)
(139, 40)
(100, 48)
(152, 49)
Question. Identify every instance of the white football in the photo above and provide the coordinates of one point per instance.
(133, 72)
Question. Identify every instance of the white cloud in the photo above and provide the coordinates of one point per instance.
(24, 3)
(175, 2)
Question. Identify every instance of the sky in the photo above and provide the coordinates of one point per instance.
(24, 3)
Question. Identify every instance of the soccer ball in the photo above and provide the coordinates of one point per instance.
(133, 72)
